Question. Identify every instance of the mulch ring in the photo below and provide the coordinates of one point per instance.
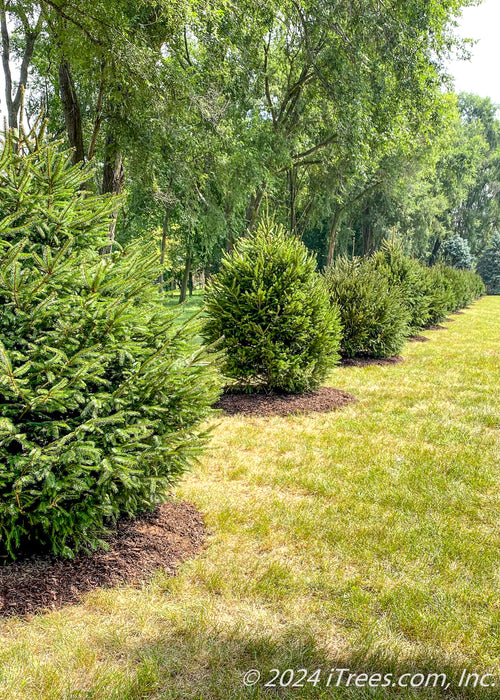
(320, 401)
(436, 328)
(157, 540)
(457, 313)
(418, 339)
(367, 361)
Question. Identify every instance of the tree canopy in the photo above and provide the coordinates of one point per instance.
(339, 115)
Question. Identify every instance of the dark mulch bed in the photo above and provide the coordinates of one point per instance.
(457, 313)
(320, 401)
(436, 328)
(418, 339)
(158, 540)
(367, 361)
(449, 320)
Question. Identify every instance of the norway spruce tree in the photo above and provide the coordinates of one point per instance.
(269, 311)
(373, 314)
(100, 395)
(406, 274)
(440, 293)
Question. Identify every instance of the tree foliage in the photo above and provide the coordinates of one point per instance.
(101, 392)
(405, 274)
(488, 266)
(269, 311)
(197, 110)
(373, 315)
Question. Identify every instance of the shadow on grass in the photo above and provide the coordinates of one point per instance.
(194, 664)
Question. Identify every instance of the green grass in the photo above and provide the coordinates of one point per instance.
(187, 310)
(366, 539)
(189, 307)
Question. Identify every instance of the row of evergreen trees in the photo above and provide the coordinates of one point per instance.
(389, 296)
(282, 326)
(103, 393)
(488, 266)
(456, 252)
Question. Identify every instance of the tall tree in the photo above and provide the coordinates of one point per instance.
(26, 21)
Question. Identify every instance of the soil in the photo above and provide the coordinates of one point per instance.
(157, 540)
(418, 339)
(436, 328)
(458, 313)
(449, 320)
(320, 401)
(367, 361)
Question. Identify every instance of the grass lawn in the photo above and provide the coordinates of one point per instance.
(366, 539)
(192, 304)
(187, 310)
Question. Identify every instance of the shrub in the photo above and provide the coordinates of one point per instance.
(269, 310)
(440, 294)
(456, 253)
(474, 286)
(466, 286)
(406, 274)
(100, 395)
(373, 315)
(488, 266)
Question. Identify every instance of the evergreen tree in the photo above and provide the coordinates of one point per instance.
(100, 392)
(406, 274)
(488, 266)
(270, 312)
(373, 314)
(440, 293)
(456, 252)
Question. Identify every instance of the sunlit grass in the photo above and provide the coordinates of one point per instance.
(366, 538)
(192, 304)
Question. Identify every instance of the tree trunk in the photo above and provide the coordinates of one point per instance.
(253, 208)
(113, 179)
(190, 283)
(14, 102)
(11, 112)
(367, 232)
(185, 278)
(72, 111)
(163, 245)
(292, 182)
(98, 116)
(435, 251)
(332, 237)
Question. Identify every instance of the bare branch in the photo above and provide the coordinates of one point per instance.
(6, 66)
(266, 79)
(186, 48)
(314, 149)
(293, 94)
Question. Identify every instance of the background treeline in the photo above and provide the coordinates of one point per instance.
(338, 114)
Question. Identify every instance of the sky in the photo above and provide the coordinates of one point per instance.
(482, 74)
